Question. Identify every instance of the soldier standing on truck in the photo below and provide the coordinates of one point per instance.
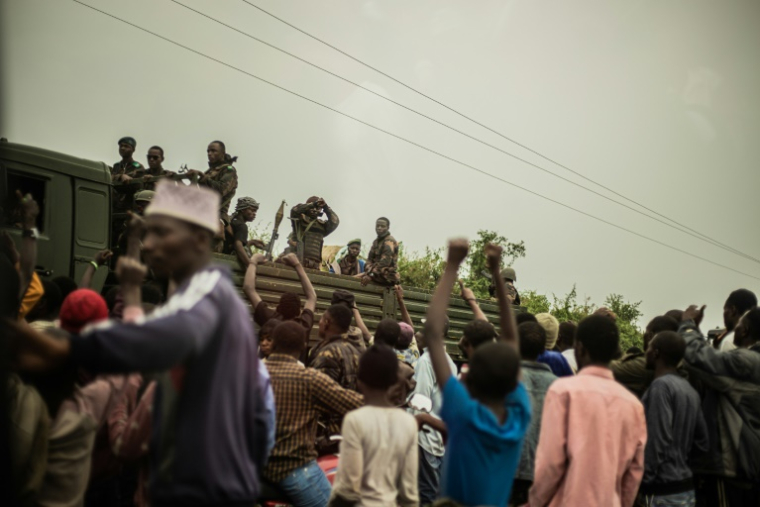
(309, 231)
(122, 172)
(508, 278)
(236, 234)
(221, 176)
(155, 169)
(382, 260)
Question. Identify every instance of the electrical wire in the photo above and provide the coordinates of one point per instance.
(408, 141)
(678, 226)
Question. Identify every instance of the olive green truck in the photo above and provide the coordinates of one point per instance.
(74, 195)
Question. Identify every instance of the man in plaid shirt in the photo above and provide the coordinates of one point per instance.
(300, 394)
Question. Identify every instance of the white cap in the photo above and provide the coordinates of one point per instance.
(189, 203)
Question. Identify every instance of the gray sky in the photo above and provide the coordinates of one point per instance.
(657, 100)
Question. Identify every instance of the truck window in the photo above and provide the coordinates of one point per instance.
(11, 206)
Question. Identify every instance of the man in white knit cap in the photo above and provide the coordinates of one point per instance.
(210, 425)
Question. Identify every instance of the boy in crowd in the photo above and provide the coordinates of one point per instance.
(487, 419)
(675, 426)
(378, 455)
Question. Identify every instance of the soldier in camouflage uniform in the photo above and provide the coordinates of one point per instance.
(309, 231)
(220, 176)
(508, 277)
(383, 257)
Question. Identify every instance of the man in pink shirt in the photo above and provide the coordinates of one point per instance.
(593, 431)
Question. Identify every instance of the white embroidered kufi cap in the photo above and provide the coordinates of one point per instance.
(189, 203)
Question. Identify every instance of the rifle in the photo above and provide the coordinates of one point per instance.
(277, 221)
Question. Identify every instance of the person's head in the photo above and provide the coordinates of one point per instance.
(493, 373)
(266, 342)
(596, 341)
(382, 225)
(354, 248)
(378, 369)
(343, 297)
(666, 349)
(475, 334)
(676, 315)
(155, 157)
(532, 340)
(247, 207)
(289, 306)
(66, 284)
(421, 336)
(406, 335)
(658, 325)
(387, 332)
(525, 317)
(551, 325)
(82, 308)
(336, 320)
(747, 331)
(127, 147)
(316, 210)
(142, 200)
(48, 305)
(566, 337)
(288, 338)
(737, 304)
(180, 224)
(216, 151)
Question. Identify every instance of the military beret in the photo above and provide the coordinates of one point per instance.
(128, 140)
(354, 242)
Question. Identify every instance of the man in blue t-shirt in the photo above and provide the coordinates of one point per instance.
(486, 417)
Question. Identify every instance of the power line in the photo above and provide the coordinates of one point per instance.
(408, 141)
(680, 227)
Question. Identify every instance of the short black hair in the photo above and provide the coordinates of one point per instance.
(387, 332)
(344, 297)
(269, 327)
(494, 368)
(386, 220)
(600, 336)
(742, 300)
(221, 144)
(753, 323)
(157, 148)
(289, 306)
(289, 337)
(532, 340)
(671, 345)
(341, 316)
(66, 284)
(662, 323)
(676, 315)
(525, 317)
(478, 332)
(567, 331)
(378, 367)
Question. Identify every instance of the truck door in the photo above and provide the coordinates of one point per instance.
(91, 226)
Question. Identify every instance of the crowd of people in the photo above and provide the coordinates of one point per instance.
(145, 398)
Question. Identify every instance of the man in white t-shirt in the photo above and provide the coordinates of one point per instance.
(566, 343)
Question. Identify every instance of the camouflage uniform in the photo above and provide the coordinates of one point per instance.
(223, 178)
(309, 234)
(122, 196)
(512, 293)
(350, 268)
(382, 260)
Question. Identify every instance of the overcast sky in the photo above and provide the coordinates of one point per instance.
(655, 99)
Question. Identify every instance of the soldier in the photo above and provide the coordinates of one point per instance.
(155, 169)
(509, 277)
(124, 169)
(350, 264)
(309, 231)
(383, 257)
(220, 176)
(236, 233)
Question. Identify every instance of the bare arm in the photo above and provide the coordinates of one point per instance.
(100, 259)
(469, 297)
(308, 289)
(506, 316)
(361, 325)
(249, 283)
(436, 314)
(242, 255)
(405, 317)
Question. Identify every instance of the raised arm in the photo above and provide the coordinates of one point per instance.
(436, 314)
(333, 221)
(100, 259)
(308, 289)
(361, 325)
(405, 317)
(249, 282)
(469, 297)
(506, 315)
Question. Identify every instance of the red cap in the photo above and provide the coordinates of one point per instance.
(82, 308)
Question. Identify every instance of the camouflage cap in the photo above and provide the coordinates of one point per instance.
(509, 274)
(245, 203)
(145, 195)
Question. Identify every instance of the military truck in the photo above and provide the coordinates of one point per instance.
(75, 219)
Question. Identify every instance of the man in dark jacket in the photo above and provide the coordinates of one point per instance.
(309, 232)
(730, 385)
